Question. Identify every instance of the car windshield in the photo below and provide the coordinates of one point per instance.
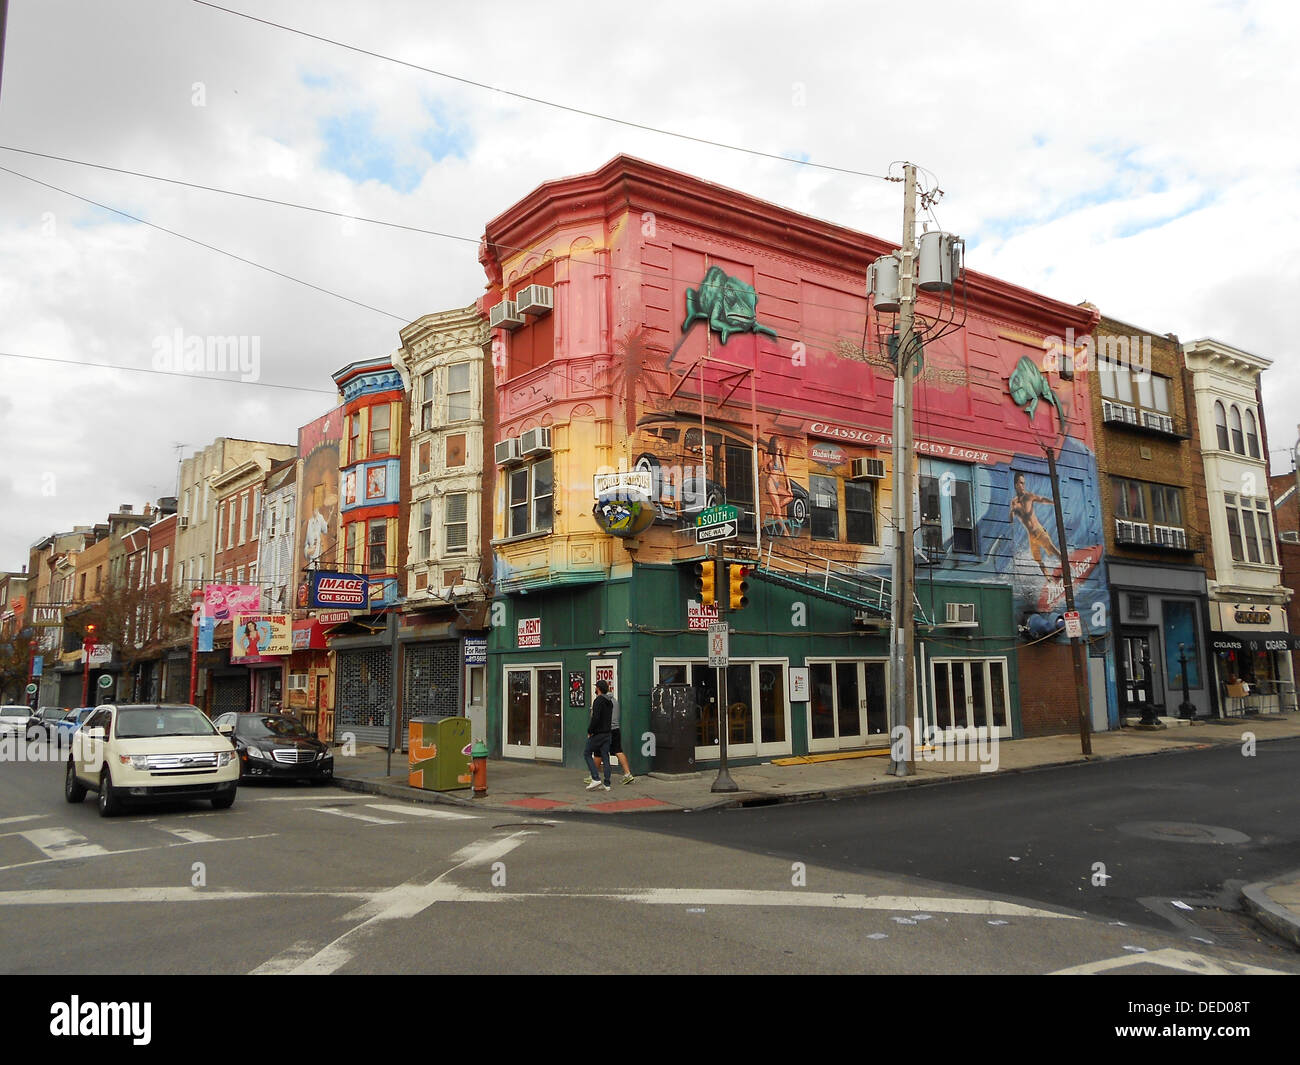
(54, 715)
(141, 722)
(15, 711)
(264, 725)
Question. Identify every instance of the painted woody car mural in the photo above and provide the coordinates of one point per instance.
(681, 488)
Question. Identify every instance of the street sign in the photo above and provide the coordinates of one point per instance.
(708, 534)
(105, 681)
(719, 644)
(717, 515)
(1073, 626)
(31, 689)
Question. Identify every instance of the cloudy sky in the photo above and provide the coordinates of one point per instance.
(1143, 156)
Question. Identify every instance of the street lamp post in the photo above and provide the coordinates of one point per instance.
(1185, 708)
(87, 646)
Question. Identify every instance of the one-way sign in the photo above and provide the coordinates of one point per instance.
(717, 523)
(707, 534)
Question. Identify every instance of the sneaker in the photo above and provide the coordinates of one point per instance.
(592, 785)
(628, 779)
(605, 786)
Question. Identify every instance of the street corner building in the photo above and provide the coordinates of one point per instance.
(665, 352)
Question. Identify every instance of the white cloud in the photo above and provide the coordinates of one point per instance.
(1068, 142)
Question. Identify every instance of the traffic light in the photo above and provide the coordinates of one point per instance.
(706, 582)
(739, 586)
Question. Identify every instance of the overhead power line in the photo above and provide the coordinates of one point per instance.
(86, 365)
(404, 319)
(544, 102)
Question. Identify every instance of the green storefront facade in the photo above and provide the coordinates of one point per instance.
(807, 675)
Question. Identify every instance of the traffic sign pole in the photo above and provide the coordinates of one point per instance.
(723, 781)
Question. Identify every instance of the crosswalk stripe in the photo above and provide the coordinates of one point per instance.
(189, 835)
(422, 811)
(355, 816)
(24, 817)
(62, 843)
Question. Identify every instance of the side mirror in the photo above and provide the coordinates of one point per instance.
(226, 730)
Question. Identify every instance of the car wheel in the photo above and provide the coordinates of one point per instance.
(224, 802)
(109, 803)
(73, 789)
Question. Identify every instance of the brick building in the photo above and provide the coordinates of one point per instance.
(1156, 519)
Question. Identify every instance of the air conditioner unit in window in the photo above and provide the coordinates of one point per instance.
(864, 469)
(959, 613)
(505, 315)
(1153, 420)
(1118, 412)
(507, 451)
(535, 299)
(535, 442)
(182, 523)
(1170, 536)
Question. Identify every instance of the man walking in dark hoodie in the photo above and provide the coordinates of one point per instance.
(598, 735)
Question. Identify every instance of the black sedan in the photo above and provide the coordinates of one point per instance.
(276, 747)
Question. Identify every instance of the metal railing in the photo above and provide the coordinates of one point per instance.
(834, 580)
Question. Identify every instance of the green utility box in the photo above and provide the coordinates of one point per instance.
(439, 752)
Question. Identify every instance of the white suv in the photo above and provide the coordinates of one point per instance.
(150, 752)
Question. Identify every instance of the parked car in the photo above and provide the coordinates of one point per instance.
(14, 719)
(150, 752)
(43, 722)
(277, 747)
(67, 725)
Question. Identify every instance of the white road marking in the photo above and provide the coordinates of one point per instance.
(24, 817)
(910, 903)
(62, 844)
(1184, 961)
(423, 811)
(189, 835)
(487, 850)
(102, 853)
(355, 816)
(405, 900)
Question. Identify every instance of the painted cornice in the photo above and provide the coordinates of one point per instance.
(626, 183)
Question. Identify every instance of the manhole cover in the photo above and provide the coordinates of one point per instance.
(1184, 832)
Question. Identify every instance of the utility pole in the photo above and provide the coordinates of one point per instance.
(1067, 578)
(902, 707)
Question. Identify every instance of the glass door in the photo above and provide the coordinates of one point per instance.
(969, 695)
(848, 705)
(534, 713)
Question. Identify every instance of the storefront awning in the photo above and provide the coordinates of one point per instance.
(1254, 641)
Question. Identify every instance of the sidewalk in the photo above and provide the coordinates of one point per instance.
(515, 787)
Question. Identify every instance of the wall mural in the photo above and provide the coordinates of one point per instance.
(984, 510)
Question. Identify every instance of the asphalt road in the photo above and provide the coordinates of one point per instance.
(316, 880)
(1120, 840)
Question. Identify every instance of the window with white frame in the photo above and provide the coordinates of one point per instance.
(947, 513)
(425, 527)
(456, 522)
(531, 490)
(1250, 531)
(426, 400)
(459, 406)
(379, 425)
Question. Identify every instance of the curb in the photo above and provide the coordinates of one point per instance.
(1277, 919)
(748, 799)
